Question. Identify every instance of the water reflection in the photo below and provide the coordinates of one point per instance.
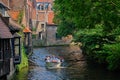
(21, 75)
(80, 70)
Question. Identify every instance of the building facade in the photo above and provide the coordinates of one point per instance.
(39, 18)
(44, 16)
(9, 42)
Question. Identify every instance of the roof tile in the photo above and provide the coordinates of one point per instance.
(27, 29)
(4, 30)
(14, 26)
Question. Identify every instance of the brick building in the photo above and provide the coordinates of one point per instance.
(46, 28)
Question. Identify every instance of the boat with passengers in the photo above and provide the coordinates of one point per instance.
(53, 61)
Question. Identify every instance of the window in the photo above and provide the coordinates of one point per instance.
(42, 26)
(16, 42)
(40, 35)
(2, 10)
(40, 6)
(6, 49)
(50, 7)
(46, 6)
(17, 50)
(43, 6)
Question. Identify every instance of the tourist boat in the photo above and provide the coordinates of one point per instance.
(53, 62)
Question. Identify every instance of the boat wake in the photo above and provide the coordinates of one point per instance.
(60, 67)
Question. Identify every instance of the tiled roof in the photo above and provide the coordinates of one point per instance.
(4, 30)
(14, 26)
(14, 14)
(50, 17)
(27, 30)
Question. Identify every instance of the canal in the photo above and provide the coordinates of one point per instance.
(71, 70)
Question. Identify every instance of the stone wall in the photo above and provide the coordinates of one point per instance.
(51, 34)
(69, 53)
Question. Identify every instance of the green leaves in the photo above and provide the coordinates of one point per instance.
(113, 58)
(95, 23)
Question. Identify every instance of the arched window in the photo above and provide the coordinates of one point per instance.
(40, 6)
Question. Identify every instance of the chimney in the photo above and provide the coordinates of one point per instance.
(6, 20)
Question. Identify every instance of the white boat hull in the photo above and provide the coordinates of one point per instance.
(53, 64)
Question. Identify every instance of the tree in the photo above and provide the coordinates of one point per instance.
(96, 23)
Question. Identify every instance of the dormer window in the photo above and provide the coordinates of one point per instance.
(3, 10)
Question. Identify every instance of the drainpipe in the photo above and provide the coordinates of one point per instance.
(8, 3)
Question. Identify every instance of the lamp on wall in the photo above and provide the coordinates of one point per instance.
(17, 49)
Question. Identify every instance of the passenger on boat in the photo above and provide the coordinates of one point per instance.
(52, 59)
(61, 59)
(47, 59)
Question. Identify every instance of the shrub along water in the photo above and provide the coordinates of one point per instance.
(113, 58)
(101, 48)
(24, 60)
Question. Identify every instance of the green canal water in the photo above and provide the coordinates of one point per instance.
(80, 70)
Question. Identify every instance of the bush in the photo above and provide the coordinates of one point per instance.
(113, 58)
(100, 48)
